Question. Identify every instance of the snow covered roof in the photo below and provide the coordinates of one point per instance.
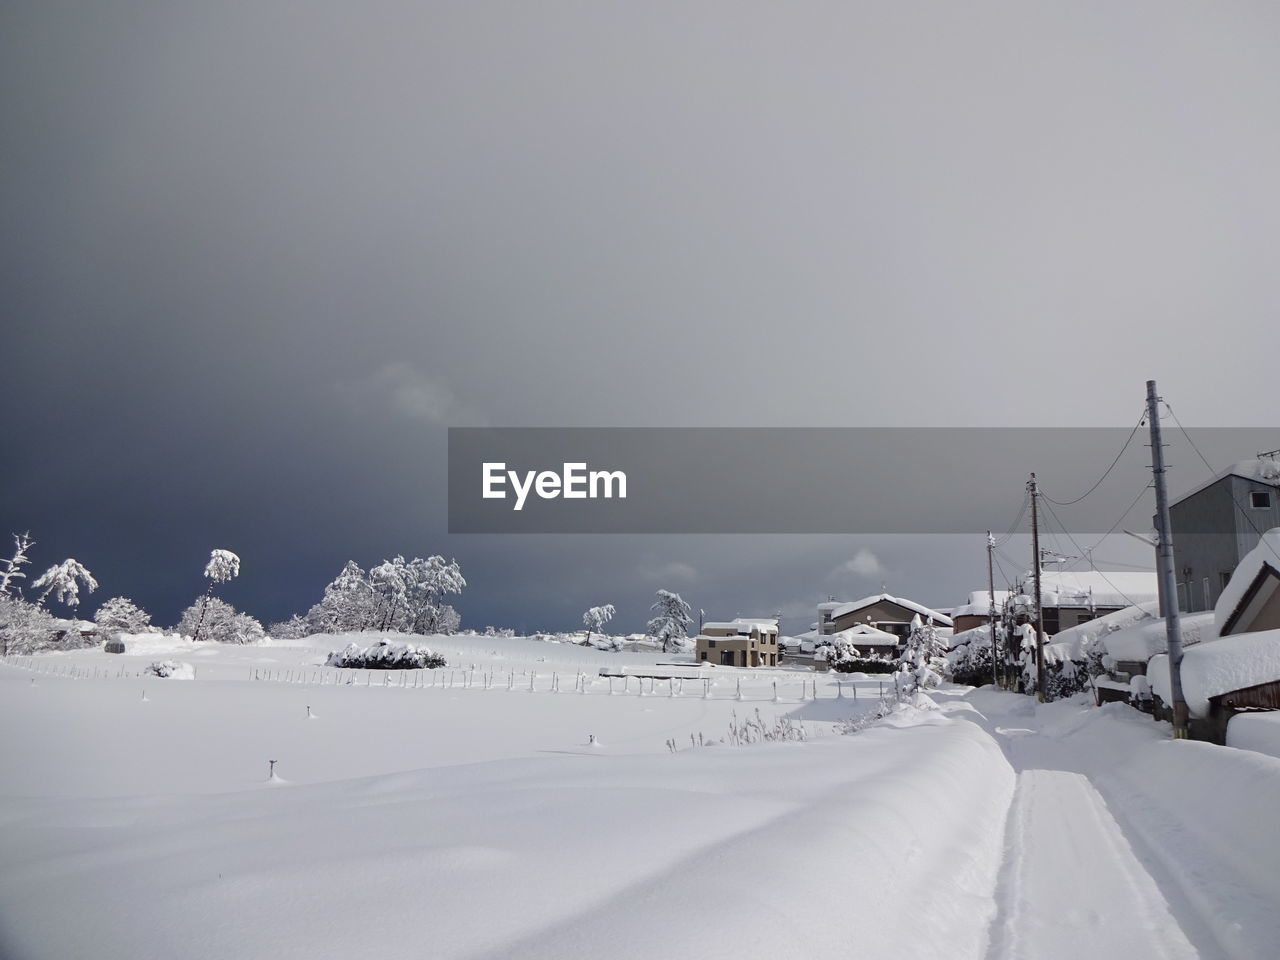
(1084, 633)
(1096, 588)
(1262, 471)
(979, 604)
(1211, 669)
(1141, 641)
(1238, 593)
(847, 608)
(865, 633)
(762, 623)
(743, 625)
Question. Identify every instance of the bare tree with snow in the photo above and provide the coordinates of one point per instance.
(223, 565)
(596, 617)
(11, 568)
(672, 620)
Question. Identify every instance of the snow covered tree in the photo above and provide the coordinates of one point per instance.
(63, 581)
(671, 624)
(220, 622)
(348, 606)
(11, 568)
(24, 627)
(295, 628)
(596, 617)
(427, 583)
(390, 583)
(223, 565)
(120, 615)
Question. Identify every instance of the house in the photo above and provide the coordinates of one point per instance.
(1240, 670)
(1069, 598)
(976, 610)
(1215, 525)
(824, 626)
(741, 642)
(884, 612)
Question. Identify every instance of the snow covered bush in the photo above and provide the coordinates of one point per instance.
(172, 669)
(969, 664)
(385, 656)
(120, 615)
(863, 665)
(222, 622)
(24, 627)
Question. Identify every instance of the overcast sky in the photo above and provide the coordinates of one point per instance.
(257, 256)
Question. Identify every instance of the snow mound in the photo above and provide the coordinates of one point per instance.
(172, 669)
(1259, 732)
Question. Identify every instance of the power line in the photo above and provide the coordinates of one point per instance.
(1017, 522)
(1106, 473)
(1129, 599)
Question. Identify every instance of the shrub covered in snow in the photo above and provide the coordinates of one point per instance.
(970, 663)
(222, 623)
(385, 656)
(172, 669)
(864, 665)
(24, 627)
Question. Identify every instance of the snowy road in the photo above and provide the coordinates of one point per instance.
(1071, 884)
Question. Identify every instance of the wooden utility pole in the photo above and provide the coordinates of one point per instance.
(1164, 556)
(1034, 490)
(991, 611)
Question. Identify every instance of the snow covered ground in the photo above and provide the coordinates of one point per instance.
(475, 817)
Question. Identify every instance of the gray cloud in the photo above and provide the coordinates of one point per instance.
(599, 214)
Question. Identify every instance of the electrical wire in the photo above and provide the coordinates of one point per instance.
(1106, 473)
(1127, 598)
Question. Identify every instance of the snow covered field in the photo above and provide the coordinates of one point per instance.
(475, 818)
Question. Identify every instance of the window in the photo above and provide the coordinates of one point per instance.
(1260, 499)
(704, 654)
(711, 643)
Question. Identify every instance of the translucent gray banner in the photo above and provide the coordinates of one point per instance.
(817, 480)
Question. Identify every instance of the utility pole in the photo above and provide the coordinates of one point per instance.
(1164, 553)
(1034, 490)
(991, 610)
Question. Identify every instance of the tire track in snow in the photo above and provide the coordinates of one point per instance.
(1071, 885)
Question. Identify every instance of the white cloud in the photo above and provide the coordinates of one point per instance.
(864, 563)
(411, 393)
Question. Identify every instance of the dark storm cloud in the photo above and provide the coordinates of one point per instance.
(257, 256)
